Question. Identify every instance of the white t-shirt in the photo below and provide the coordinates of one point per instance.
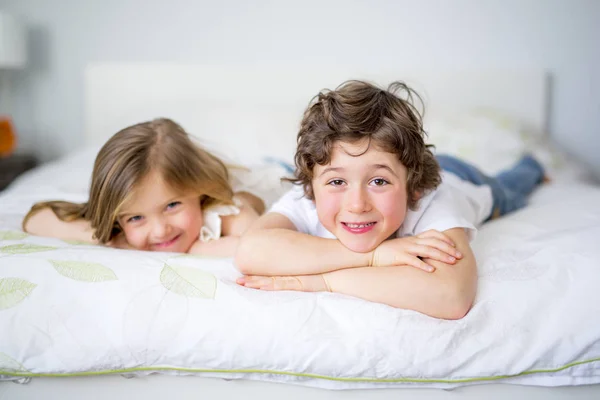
(455, 203)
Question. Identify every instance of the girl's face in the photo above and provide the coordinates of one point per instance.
(158, 218)
(362, 199)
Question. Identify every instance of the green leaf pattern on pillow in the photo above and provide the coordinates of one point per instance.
(8, 364)
(24, 248)
(78, 242)
(12, 235)
(188, 281)
(84, 271)
(13, 291)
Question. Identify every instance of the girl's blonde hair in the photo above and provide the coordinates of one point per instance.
(126, 158)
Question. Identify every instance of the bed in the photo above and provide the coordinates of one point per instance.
(75, 319)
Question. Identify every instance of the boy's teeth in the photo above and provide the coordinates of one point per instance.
(358, 226)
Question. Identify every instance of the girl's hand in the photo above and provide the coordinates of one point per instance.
(412, 250)
(119, 242)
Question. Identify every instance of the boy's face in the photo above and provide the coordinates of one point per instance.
(361, 199)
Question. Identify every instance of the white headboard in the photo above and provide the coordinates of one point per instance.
(255, 110)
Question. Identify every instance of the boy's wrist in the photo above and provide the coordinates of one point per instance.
(371, 258)
(359, 260)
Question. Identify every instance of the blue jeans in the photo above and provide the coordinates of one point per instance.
(510, 188)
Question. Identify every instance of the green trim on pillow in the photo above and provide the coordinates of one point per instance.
(297, 374)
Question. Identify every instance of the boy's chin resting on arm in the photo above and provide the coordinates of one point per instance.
(446, 293)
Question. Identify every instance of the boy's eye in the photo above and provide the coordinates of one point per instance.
(173, 204)
(335, 182)
(379, 182)
(135, 218)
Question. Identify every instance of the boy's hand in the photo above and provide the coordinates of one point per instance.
(411, 250)
(303, 283)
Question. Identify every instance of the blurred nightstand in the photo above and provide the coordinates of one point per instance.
(14, 165)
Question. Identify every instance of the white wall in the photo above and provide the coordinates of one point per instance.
(562, 36)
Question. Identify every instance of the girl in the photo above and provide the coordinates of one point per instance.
(153, 189)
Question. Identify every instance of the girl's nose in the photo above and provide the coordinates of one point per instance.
(160, 228)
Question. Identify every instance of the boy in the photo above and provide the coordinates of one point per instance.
(373, 204)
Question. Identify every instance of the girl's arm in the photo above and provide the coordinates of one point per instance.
(232, 227)
(274, 247)
(447, 293)
(255, 202)
(46, 223)
(236, 225)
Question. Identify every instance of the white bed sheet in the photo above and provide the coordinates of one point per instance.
(534, 321)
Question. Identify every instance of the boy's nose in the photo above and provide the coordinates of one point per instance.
(357, 200)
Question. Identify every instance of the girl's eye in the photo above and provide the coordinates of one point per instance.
(379, 182)
(335, 182)
(173, 204)
(135, 218)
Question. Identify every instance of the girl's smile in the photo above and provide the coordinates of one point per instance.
(159, 218)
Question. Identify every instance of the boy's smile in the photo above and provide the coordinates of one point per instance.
(360, 196)
(358, 228)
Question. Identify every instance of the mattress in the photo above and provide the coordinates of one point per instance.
(69, 309)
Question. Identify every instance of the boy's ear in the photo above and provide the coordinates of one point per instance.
(417, 194)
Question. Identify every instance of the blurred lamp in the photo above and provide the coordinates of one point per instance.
(12, 42)
(13, 55)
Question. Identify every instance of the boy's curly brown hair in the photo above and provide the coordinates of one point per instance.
(356, 110)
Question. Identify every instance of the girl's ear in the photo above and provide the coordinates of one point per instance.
(417, 195)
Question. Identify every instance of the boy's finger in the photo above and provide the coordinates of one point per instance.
(439, 245)
(435, 254)
(425, 267)
(254, 282)
(432, 233)
(417, 262)
(241, 280)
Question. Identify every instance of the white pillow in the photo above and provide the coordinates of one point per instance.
(493, 141)
(489, 141)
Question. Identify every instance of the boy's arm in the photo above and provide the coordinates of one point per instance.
(46, 223)
(222, 247)
(446, 293)
(273, 246)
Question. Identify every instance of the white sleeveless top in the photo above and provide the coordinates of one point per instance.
(211, 229)
(263, 181)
